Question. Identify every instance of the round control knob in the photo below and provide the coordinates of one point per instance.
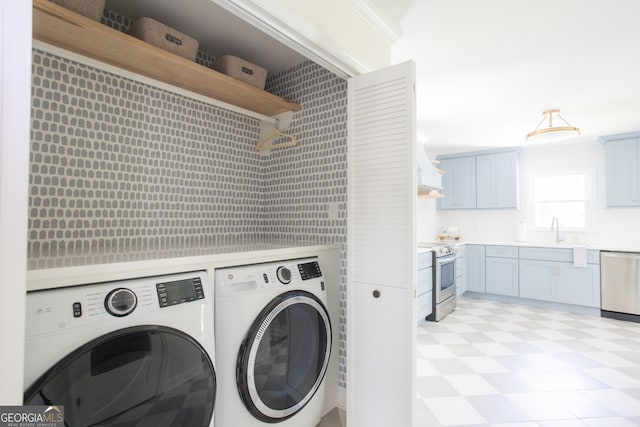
(120, 302)
(284, 275)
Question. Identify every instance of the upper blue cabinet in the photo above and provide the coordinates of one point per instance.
(480, 180)
(458, 183)
(497, 181)
(622, 164)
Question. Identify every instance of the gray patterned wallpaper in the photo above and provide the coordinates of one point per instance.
(301, 182)
(117, 163)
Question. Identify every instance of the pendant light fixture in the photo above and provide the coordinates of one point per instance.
(551, 132)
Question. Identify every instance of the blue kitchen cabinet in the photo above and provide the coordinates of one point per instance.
(497, 181)
(579, 285)
(501, 266)
(480, 180)
(537, 279)
(424, 288)
(475, 262)
(559, 281)
(622, 165)
(458, 183)
(461, 281)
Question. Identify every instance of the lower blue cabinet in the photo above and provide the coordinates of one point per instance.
(424, 288)
(579, 285)
(475, 263)
(537, 279)
(560, 282)
(538, 273)
(501, 276)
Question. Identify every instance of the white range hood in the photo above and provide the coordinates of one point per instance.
(428, 176)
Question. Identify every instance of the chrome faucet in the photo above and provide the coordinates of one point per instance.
(555, 225)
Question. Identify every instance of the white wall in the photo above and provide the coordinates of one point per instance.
(15, 89)
(345, 39)
(427, 220)
(337, 26)
(615, 227)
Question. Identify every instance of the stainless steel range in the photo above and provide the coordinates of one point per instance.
(444, 279)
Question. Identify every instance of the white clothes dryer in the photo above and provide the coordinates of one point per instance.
(138, 352)
(274, 343)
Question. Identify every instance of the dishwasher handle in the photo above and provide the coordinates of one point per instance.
(630, 255)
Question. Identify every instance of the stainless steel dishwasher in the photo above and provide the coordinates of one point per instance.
(620, 285)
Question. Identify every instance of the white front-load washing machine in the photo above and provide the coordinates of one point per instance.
(273, 343)
(138, 352)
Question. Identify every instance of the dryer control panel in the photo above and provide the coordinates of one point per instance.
(301, 273)
(309, 270)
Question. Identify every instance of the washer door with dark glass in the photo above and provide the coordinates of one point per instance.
(139, 376)
(284, 357)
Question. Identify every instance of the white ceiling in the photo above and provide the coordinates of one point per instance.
(486, 69)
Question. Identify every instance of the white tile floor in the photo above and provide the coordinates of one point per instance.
(496, 364)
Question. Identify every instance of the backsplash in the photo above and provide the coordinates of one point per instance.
(118, 163)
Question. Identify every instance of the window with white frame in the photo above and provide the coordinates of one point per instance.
(561, 196)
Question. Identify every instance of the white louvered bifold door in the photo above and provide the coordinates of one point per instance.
(381, 248)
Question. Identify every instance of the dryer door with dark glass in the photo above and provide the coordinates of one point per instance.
(146, 375)
(284, 357)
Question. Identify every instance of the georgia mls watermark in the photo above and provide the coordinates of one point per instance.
(31, 416)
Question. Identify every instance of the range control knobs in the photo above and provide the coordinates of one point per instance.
(120, 302)
(284, 275)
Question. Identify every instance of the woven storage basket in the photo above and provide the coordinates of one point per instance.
(164, 37)
(90, 8)
(242, 70)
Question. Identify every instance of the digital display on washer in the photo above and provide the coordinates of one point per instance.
(309, 270)
(179, 291)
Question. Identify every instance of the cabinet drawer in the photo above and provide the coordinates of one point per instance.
(547, 254)
(557, 254)
(425, 280)
(425, 259)
(502, 251)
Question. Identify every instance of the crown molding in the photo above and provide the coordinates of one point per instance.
(373, 17)
(340, 62)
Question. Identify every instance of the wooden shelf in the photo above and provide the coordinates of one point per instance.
(433, 194)
(64, 28)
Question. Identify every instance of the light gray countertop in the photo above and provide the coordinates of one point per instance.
(562, 245)
(60, 268)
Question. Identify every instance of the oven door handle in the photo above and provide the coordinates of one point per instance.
(445, 259)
